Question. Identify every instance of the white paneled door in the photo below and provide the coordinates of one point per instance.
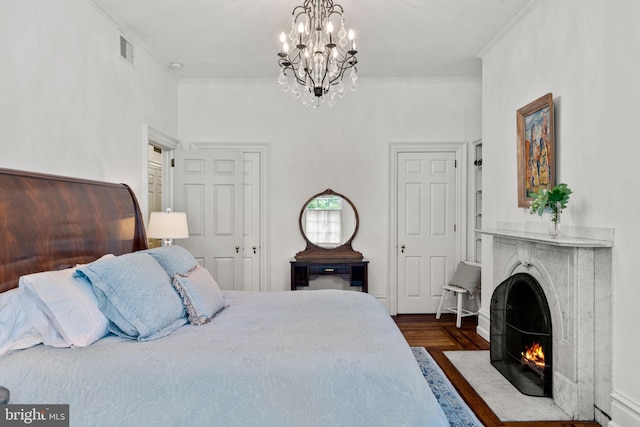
(426, 228)
(251, 221)
(209, 188)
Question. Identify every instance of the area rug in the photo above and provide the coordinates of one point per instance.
(456, 410)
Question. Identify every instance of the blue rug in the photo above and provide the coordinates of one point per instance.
(456, 410)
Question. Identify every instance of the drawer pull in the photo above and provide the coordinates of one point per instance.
(328, 270)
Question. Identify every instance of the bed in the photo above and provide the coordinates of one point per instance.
(308, 358)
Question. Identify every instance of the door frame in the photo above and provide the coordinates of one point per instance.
(156, 137)
(395, 148)
(263, 149)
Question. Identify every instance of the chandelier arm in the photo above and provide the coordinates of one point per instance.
(304, 6)
(336, 80)
(291, 67)
(304, 11)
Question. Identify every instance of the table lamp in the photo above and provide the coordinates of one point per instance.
(168, 226)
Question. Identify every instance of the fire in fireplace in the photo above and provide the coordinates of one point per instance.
(533, 358)
(520, 335)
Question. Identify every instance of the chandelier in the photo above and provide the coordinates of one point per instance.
(315, 60)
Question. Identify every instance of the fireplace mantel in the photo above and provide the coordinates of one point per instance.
(572, 236)
(573, 242)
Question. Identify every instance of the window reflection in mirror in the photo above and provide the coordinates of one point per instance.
(328, 221)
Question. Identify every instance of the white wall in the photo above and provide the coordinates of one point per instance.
(68, 104)
(345, 148)
(586, 53)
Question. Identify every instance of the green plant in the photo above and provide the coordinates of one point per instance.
(555, 199)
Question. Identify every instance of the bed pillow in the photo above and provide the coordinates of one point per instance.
(200, 294)
(173, 259)
(63, 308)
(16, 332)
(136, 295)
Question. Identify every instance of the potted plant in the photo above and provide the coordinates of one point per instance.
(555, 200)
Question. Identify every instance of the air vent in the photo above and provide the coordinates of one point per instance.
(126, 50)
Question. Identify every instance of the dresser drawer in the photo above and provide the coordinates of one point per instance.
(329, 269)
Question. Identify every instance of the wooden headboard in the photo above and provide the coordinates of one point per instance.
(51, 222)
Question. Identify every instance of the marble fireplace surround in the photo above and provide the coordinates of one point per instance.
(576, 276)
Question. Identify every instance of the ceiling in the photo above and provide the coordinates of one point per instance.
(238, 39)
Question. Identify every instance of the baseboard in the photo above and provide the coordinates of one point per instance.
(625, 412)
(390, 302)
(383, 300)
(483, 324)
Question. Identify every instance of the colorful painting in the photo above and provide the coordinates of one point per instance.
(536, 148)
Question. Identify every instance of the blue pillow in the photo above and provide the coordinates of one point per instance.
(136, 295)
(174, 259)
(201, 295)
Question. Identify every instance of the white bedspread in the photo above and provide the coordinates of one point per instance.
(305, 358)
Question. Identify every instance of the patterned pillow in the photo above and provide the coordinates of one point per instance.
(200, 294)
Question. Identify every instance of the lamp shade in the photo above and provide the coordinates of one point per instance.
(168, 225)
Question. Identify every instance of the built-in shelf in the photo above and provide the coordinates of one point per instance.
(477, 208)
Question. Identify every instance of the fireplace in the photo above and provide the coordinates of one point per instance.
(521, 335)
(567, 282)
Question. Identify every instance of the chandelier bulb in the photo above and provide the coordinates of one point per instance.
(329, 27)
(283, 37)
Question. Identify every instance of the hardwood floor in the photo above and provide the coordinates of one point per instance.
(437, 336)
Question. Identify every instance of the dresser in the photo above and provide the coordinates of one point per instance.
(354, 272)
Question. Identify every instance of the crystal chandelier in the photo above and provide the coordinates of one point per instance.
(313, 63)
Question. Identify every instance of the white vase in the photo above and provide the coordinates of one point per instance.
(554, 223)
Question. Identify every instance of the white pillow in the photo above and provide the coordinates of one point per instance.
(63, 308)
(16, 332)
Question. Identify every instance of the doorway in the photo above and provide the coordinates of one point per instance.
(427, 222)
(160, 148)
(154, 182)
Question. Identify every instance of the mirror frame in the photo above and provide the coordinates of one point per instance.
(317, 253)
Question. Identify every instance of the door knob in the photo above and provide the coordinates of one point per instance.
(402, 247)
(237, 249)
(254, 249)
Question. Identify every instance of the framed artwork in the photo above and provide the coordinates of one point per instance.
(536, 148)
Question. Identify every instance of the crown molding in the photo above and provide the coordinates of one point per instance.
(361, 80)
(529, 7)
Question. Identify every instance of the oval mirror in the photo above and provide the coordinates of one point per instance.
(328, 222)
